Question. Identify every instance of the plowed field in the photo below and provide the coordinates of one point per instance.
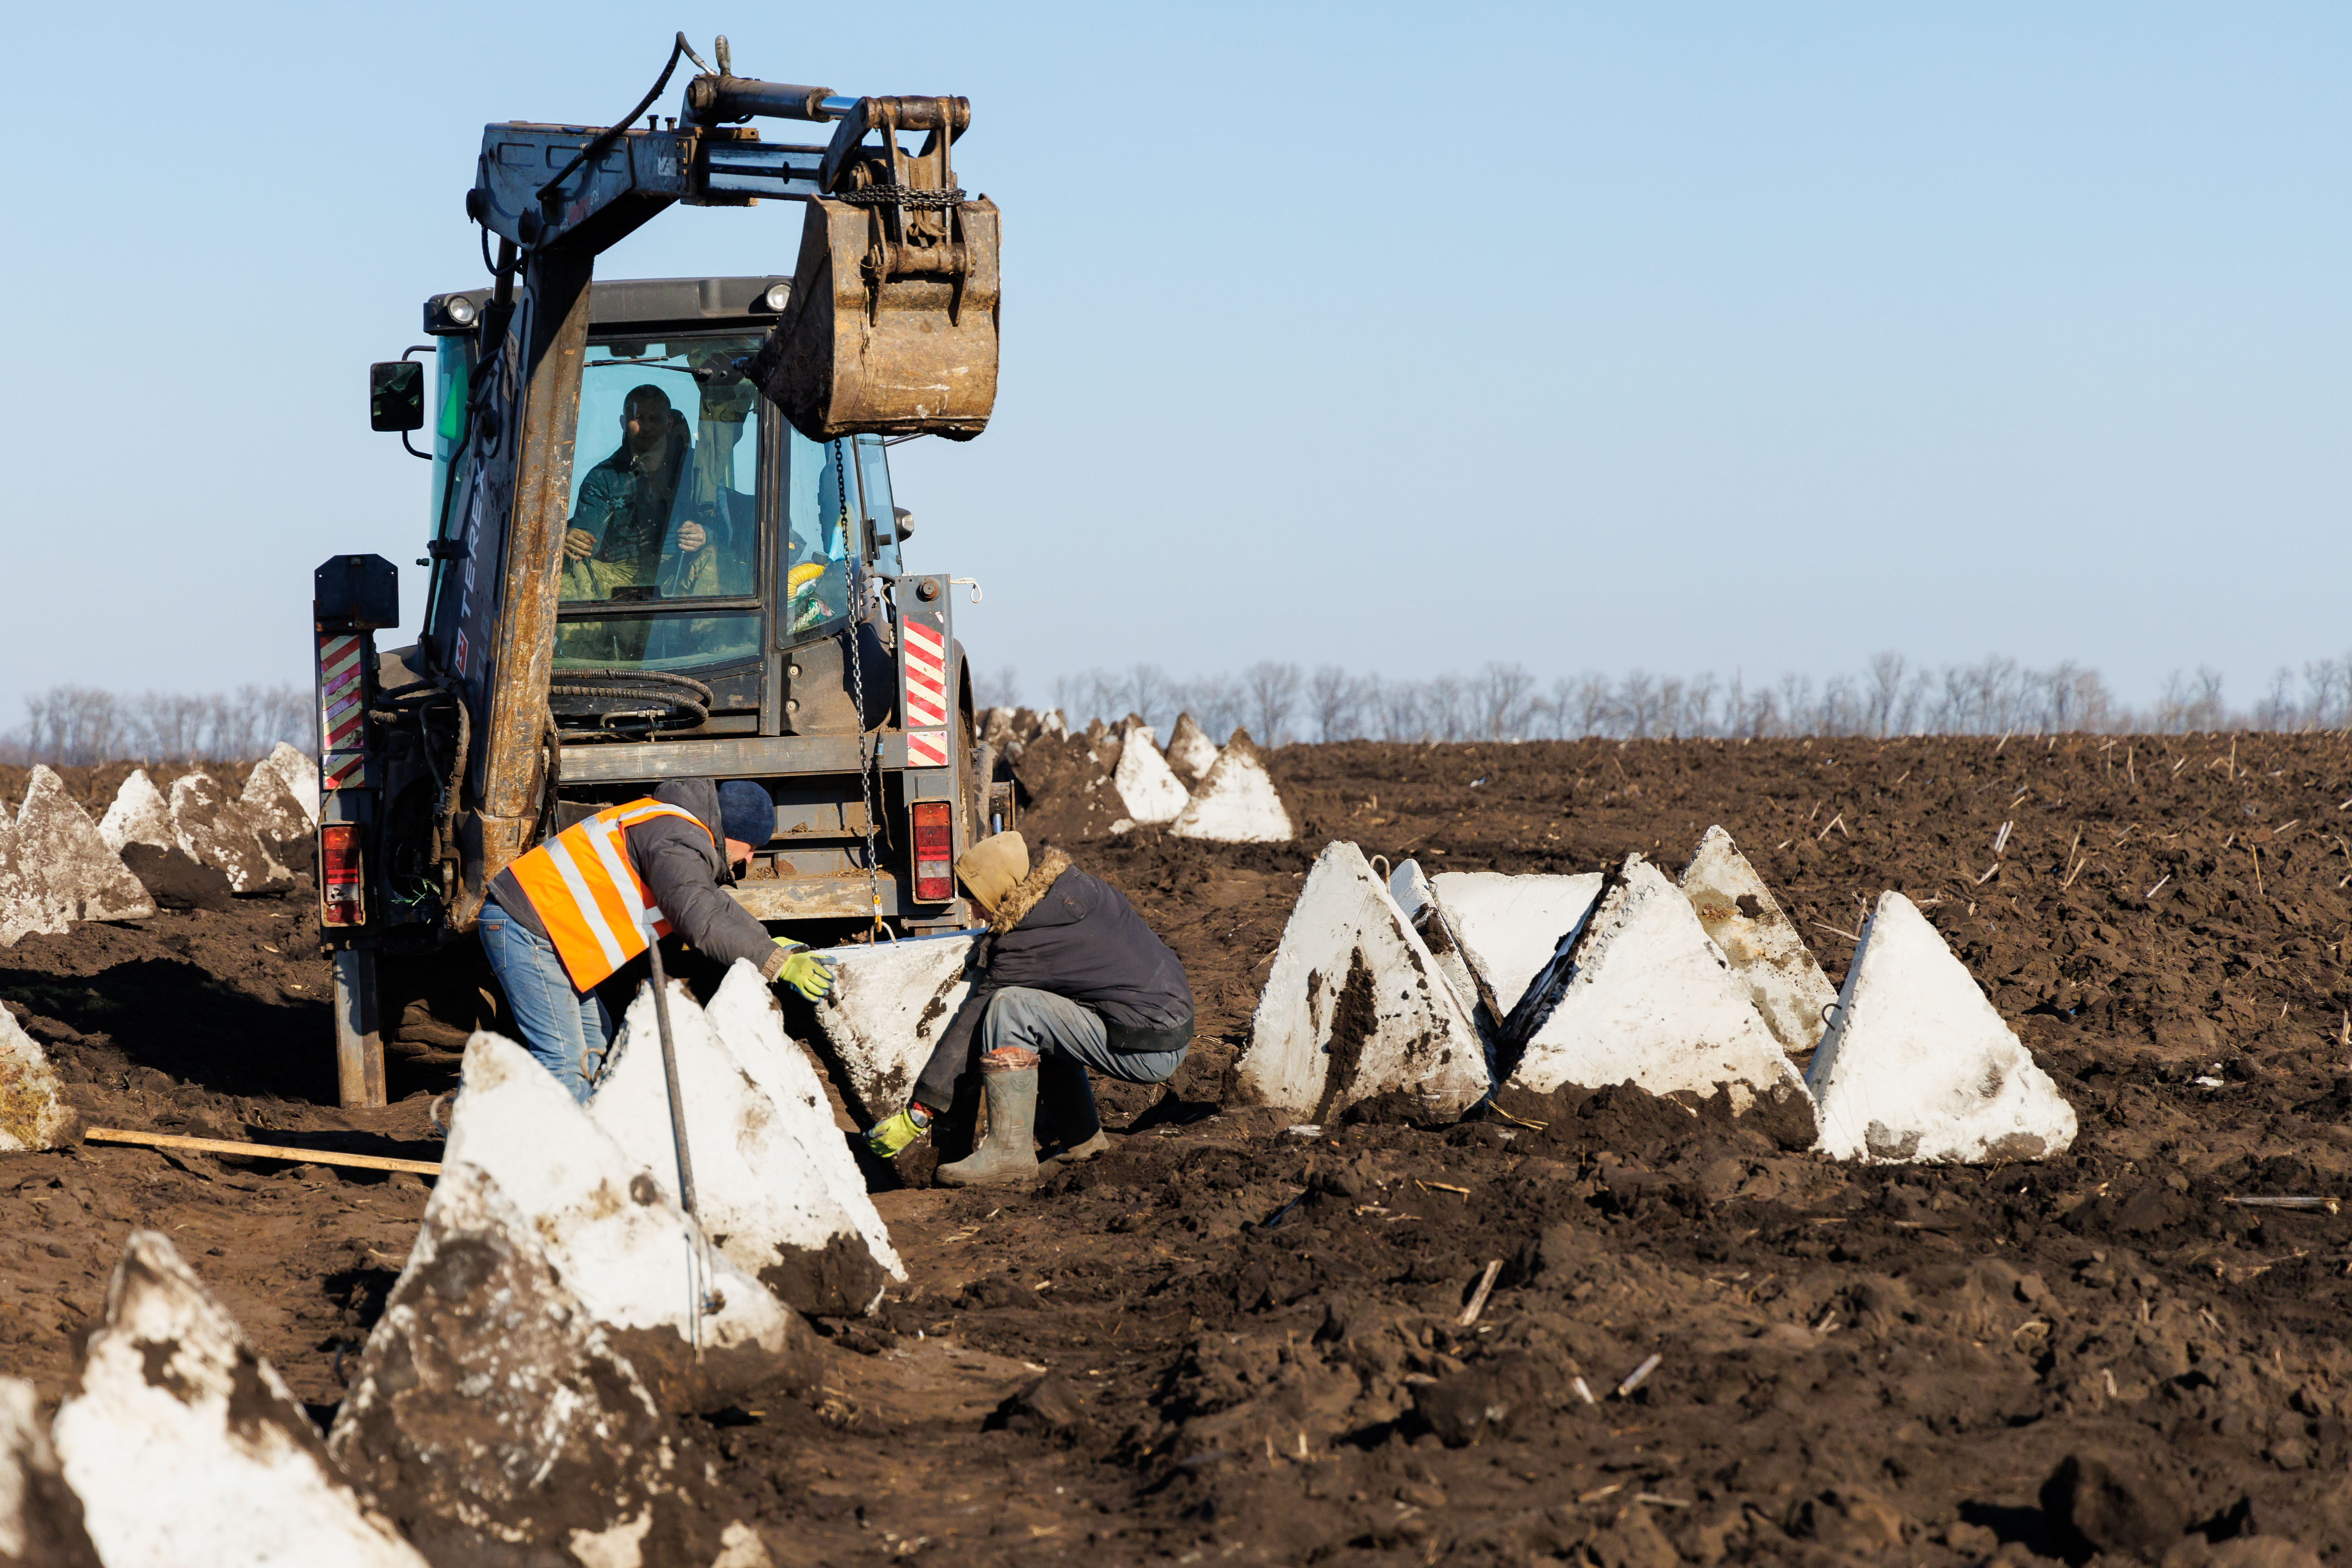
(1225, 1340)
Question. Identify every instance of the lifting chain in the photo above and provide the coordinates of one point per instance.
(857, 693)
(902, 197)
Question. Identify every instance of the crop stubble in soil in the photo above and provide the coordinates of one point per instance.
(1857, 1364)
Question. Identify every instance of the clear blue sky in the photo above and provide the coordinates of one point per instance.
(1693, 336)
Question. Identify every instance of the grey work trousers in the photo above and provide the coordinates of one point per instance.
(1063, 1034)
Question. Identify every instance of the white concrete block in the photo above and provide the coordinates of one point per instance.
(66, 860)
(215, 831)
(1354, 1006)
(1783, 979)
(1146, 788)
(25, 908)
(746, 1015)
(40, 1518)
(626, 1250)
(1409, 890)
(1053, 724)
(1642, 996)
(33, 1109)
(1191, 752)
(186, 1448)
(1510, 927)
(489, 1403)
(1917, 1066)
(140, 815)
(758, 1191)
(1236, 803)
(289, 771)
(890, 1004)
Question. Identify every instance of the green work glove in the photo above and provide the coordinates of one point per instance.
(806, 973)
(891, 1138)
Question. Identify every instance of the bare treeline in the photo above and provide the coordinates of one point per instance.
(74, 726)
(1283, 702)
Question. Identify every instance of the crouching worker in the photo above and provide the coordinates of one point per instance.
(1070, 981)
(563, 919)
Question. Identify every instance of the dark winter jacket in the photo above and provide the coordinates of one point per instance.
(683, 867)
(1077, 936)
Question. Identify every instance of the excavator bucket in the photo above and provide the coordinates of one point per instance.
(891, 327)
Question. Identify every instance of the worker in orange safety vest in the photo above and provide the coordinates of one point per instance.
(565, 918)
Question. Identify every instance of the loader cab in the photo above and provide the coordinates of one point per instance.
(706, 537)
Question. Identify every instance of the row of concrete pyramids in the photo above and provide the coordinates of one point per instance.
(1447, 988)
(558, 1309)
(59, 868)
(1194, 788)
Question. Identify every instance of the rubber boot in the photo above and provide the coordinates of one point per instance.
(1008, 1152)
(1066, 1096)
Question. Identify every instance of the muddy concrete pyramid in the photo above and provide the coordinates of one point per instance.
(140, 815)
(489, 1403)
(745, 1012)
(40, 1518)
(33, 1110)
(1510, 927)
(645, 1272)
(1917, 1066)
(1783, 979)
(1191, 752)
(890, 1004)
(1236, 803)
(215, 831)
(25, 909)
(1147, 791)
(1355, 1005)
(1409, 890)
(289, 772)
(185, 1446)
(1642, 996)
(756, 1181)
(67, 861)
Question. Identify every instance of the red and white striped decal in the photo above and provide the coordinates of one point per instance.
(925, 653)
(927, 748)
(342, 708)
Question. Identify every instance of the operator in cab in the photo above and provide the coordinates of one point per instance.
(622, 524)
(565, 918)
(1071, 981)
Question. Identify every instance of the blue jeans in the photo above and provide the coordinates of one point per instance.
(562, 1026)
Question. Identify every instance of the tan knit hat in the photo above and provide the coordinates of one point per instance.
(992, 867)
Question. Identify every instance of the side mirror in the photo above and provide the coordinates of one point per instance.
(396, 395)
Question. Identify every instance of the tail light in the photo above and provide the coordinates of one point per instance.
(338, 876)
(934, 853)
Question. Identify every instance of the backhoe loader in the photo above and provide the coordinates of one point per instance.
(717, 585)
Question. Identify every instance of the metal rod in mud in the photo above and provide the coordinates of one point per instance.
(705, 1299)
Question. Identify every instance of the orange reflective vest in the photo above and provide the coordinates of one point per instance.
(587, 893)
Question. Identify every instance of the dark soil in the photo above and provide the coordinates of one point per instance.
(1226, 1339)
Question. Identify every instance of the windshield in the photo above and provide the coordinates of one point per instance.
(823, 535)
(669, 507)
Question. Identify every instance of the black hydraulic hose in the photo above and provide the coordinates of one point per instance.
(596, 148)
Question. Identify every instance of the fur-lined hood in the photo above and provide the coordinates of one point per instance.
(1028, 893)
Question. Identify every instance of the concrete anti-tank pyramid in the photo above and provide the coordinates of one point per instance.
(1917, 1066)
(1147, 791)
(25, 908)
(755, 1178)
(288, 772)
(64, 858)
(1511, 926)
(1191, 752)
(185, 1446)
(489, 1402)
(1236, 803)
(890, 1004)
(40, 1518)
(1642, 996)
(33, 1109)
(641, 1267)
(140, 815)
(1783, 979)
(1409, 890)
(1355, 1005)
(215, 831)
(745, 1012)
